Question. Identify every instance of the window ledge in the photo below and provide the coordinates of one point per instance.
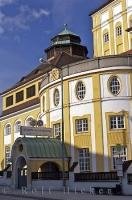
(117, 130)
(82, 133)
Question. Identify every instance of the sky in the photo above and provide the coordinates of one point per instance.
(26, 27)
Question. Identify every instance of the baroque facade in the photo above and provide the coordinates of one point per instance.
(110, 22)
(97, 101)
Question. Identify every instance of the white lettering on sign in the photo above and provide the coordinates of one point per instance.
(35, 131)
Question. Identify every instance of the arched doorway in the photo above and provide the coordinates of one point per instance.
(50, 170)
(21, 173)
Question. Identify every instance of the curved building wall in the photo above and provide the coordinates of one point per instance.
(97, 106)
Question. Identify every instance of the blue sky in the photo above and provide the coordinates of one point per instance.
(26, 27)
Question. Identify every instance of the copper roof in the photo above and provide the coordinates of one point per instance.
(60, 60)
(102, 6)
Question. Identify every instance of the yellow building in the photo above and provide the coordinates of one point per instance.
(110, 22)
(96, 97)
(21, 103)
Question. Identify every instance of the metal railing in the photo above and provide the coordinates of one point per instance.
(49, 175)
(97, 176)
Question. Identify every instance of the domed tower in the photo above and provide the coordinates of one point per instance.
(66, 41)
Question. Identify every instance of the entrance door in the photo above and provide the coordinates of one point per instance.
(22, 178)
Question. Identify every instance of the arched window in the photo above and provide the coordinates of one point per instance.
(28, 121)
(118, 29)
(80, 90)
(106, 35)
(114, 85)
(17, 126)
(56, 97)
(8, 129)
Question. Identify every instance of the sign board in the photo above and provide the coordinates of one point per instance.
(35, 131)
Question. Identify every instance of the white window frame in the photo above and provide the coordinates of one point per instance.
(56, 97)
(7, 154)
(84, 159)
(117, 122)
(57, 129)
(106, 37)
(81, 125)
(118, 30)
(114, 85)
(80, 90)
(28, 120)
(115, 155)
(7, 129)
(17, 126)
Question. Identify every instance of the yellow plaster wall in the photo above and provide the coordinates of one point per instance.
(118, 136)
(98, 35)
(98, 122)
(47, 108)
(13, 92)
(66, 109)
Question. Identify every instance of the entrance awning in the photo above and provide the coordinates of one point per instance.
(39, 148)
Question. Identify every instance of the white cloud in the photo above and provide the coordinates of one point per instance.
(40, 13)
(6, 2)
(22, 19)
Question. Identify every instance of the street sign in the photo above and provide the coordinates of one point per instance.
(35, 131)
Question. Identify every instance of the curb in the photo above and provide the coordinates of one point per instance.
(27, 196)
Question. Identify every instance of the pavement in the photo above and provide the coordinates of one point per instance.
(12, 194)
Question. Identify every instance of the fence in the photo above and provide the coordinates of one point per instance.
(49, 175)
(97, 176)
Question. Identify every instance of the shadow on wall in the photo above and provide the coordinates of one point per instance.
(80, 159)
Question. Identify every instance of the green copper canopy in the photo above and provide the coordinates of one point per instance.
(41, 147)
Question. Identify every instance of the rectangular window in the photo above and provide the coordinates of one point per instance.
(129, 179)
(117, 122)
(19, 96)
(57, 130)
(116, 154)
(84, 160)
(106, 37)
(7, 155)
(9, 101)
(81, 125)
(30, 91)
